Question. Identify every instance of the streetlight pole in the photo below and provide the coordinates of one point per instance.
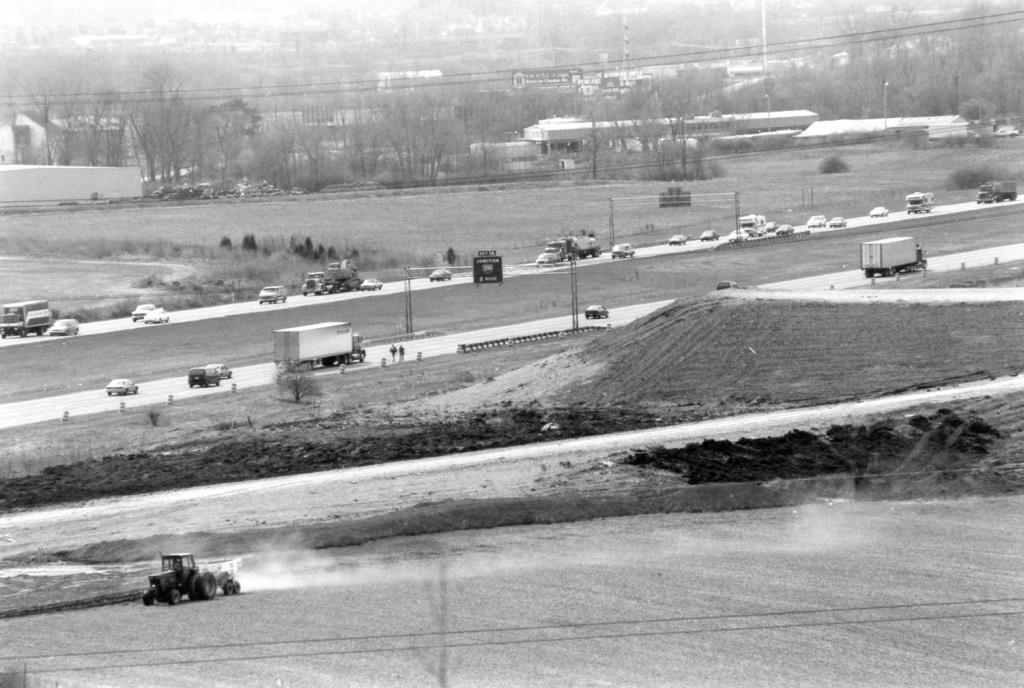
(885, 106)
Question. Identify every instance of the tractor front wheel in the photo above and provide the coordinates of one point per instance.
(148, 598)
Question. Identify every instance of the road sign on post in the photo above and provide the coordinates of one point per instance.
(487, 268)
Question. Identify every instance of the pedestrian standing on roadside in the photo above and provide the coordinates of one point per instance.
(393, 352)
(401, 353)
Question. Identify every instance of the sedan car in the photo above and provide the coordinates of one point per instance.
(63, 327)
(710, 235)
(156, 316)
(140, 311)
(440, 275)
(371, 285)
(879, 211)
(678, 240)
(596, 311)
(121, 386)
(837, 223)
(623, 251)
(816, 221)
(547, 258)
(784, 230)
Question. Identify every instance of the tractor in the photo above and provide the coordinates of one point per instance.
(179, 576)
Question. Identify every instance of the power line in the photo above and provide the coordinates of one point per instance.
(478, 78)
(755, 622)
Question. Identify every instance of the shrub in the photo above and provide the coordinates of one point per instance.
(971, 176)
(225, 242)
(298, 384)
(833, 164)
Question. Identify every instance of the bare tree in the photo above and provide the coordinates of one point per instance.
(163, 123)
(298, 384)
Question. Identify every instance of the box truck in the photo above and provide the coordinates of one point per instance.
(886, 257)
(326, 344)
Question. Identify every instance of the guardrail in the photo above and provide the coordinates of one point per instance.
(758, 241)
(524, 339)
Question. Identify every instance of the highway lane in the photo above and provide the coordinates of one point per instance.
(462, 275)
(155, 392)
(855, 279)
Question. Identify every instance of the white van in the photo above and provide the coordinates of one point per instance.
(275, 294)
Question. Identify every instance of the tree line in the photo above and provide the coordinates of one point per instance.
(172, 123)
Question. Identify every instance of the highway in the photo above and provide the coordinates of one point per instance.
(463, 275)
(162, 391)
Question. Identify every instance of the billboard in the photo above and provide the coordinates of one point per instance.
(566, 79)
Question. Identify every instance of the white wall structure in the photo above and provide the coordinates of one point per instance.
(54, 184)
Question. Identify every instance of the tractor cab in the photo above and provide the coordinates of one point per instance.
(179, 563)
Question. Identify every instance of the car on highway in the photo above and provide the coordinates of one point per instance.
(273, 294)
(220, 370)
(371, 285)
(879, 211)
(727, 284)
(547, 258)
(771, 227)
(440, 275)
(156, 316)
(816, 221)
(837, 223)
(203, 376)
(784, 230)
(596, 311)
(710, 235)
(140, 311)
(121, 386)
(678, 240)
(623, 251)
(736, 236)
(63, 327)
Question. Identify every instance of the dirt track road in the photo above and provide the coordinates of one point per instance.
(780, 597)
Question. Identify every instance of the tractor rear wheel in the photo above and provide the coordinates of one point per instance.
(173, 596)
(194, 586)
(209, 585)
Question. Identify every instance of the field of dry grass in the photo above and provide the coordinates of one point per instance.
(389, 231)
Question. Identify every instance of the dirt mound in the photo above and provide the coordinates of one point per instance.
(941, 449)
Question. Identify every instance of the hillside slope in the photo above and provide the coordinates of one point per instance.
(714, 355)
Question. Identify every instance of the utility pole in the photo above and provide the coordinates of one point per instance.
(408, 302)
(611, 223)
(575, 294)
(682, 122)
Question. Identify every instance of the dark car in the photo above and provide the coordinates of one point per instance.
(203, 377)
(710, 235)
(727, 284)
(596, 311)
(678, 240)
